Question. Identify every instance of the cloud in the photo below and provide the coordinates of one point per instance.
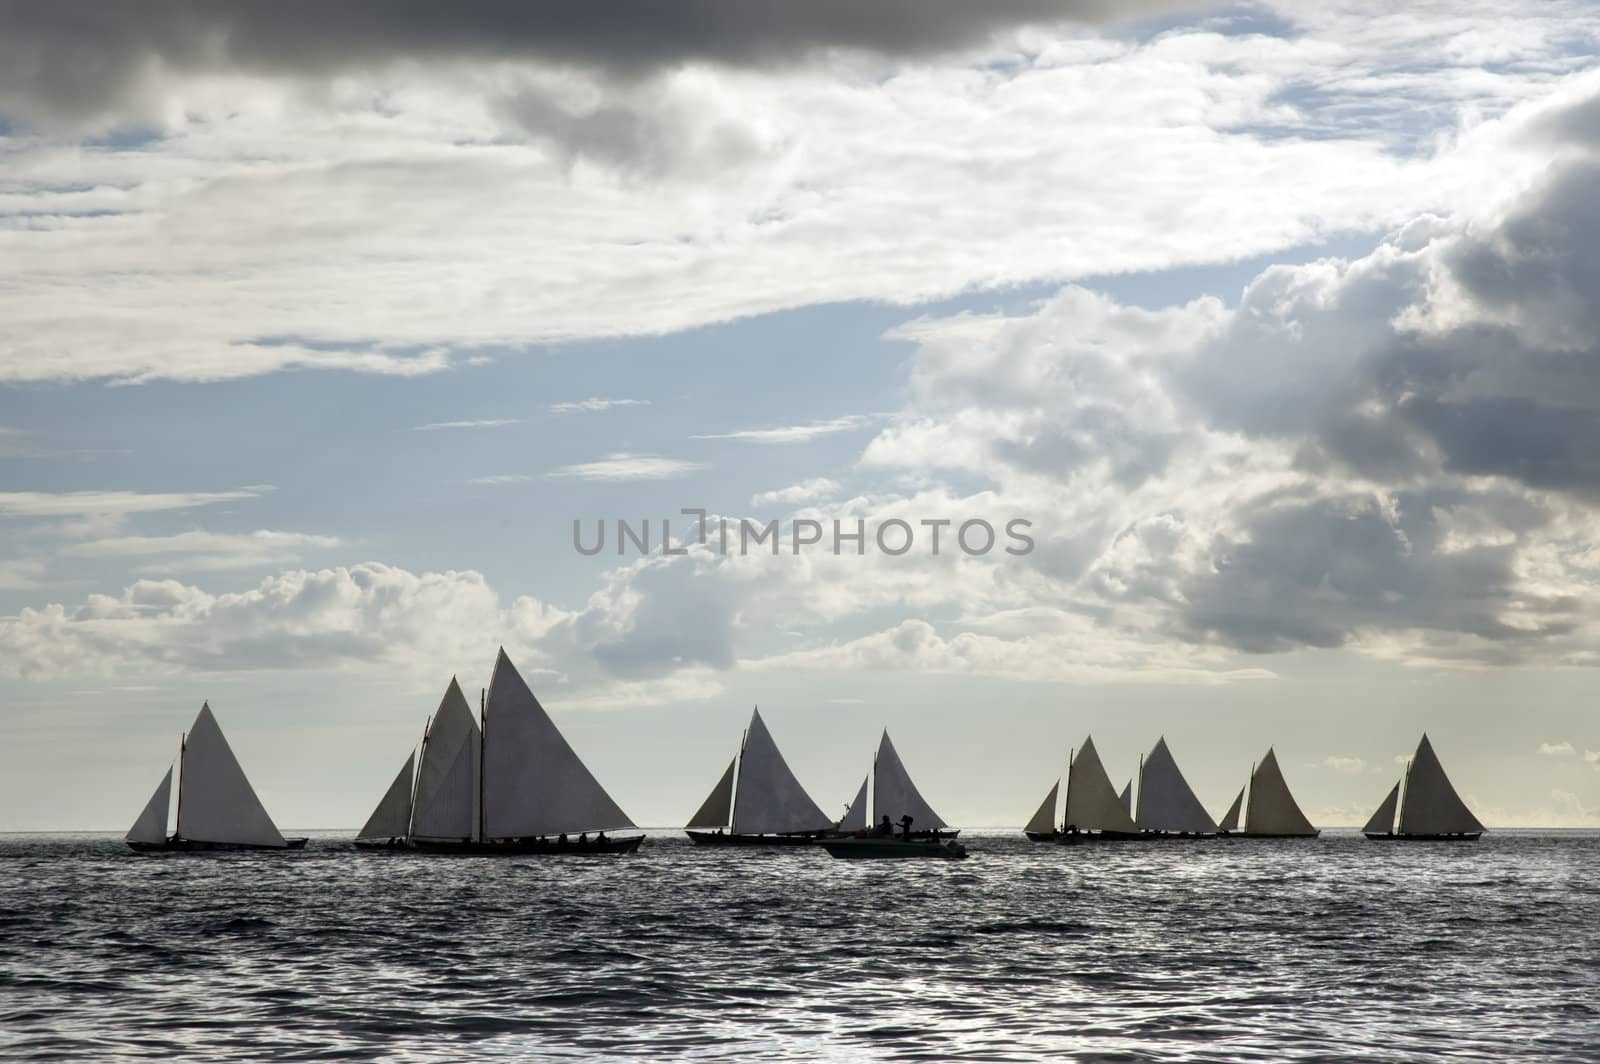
(207, 551)
(1349, 766)
(1561, 749)
(503, 478)
(819, 189)
(624, 466)
(91, 503)
(1592, 757)
(81, 59)
(21, 574)
(806, 491)
(791, 433)
(592, 406)
(487, 423)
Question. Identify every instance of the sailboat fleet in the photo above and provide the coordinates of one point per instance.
(506, 781)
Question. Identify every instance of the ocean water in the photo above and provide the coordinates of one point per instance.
(1336, 949)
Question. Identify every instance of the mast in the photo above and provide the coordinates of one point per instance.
(738, 765)
(183, 744)
(483, 724)
(1066, 795)
(416, 777)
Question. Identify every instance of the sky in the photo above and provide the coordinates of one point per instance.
(1275, 323)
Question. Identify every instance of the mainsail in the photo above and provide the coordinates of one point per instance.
(1045, 819)
(770, 800)
(714, 811)
(215, 801)
(1230, 819)
(447, 779)
(1092, 802)
(151, 827)
(1166, 802)
(1272, 809)
(893, 793)
(855, 818)
(534, 784)
(1432, 806)
(392, 818)
(1382, 822)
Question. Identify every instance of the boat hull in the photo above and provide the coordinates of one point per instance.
(1080, 838)
(177, 845)
(723, 838)
(529, 847)
(1266, 835)
(893, 849)
(1042, 836)
(1461, 836)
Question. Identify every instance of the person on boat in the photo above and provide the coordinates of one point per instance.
(886, 828)
(562, 841)
(600, 838)
(905, 826)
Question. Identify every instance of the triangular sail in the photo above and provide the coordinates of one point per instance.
(1272, 809)
(1126, 798)
(1092, 802)
(1230, 819)
(1382, 822)
(771, 800)
(215, 801)
(714, 811)
(1166, 801)
(895, 796)
(855, 818)
(445, 793)
(151, 827)
(534, 784)
(1044, 819)
(1432, 806)
(392, 818)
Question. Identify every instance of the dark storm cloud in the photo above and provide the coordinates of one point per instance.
(79, 58)
(1316, 573)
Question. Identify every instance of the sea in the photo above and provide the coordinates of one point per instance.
(1334, 949)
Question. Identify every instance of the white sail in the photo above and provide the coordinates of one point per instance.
(392, 818)
(1166, 802)
(534, 784)
(447, 779)
(151, 827)
(1382, 822)
(1126, 798)
(1092, 802)
(215, 801)
(1044, 819)
(1272, 809)
(770, 800)
(1230, 819)
(714, 811)
(444, 810)
(855, 818)
(1432, 806)
(894, 795)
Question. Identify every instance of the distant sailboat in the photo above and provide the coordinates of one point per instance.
(1430, 810)
(758, 801)
(1167, 806)
(509, 785)
(1092, 809)
(1271, 811)
(217, 807)
(893, 797)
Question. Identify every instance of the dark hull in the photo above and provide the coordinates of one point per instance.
(529, 847)
(1463, 836)
(723, 838)
(1263, 835)
(380, 844)
(1042, 836)
(1079, 838)
(892, 849)
(177, 845)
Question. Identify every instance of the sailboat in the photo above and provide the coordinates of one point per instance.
(506, 784)
(1430, 809)
(1167, 806)
(893, 800)
(217, 807)
(1270, 811)
(1092, 809)
(758, 801)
